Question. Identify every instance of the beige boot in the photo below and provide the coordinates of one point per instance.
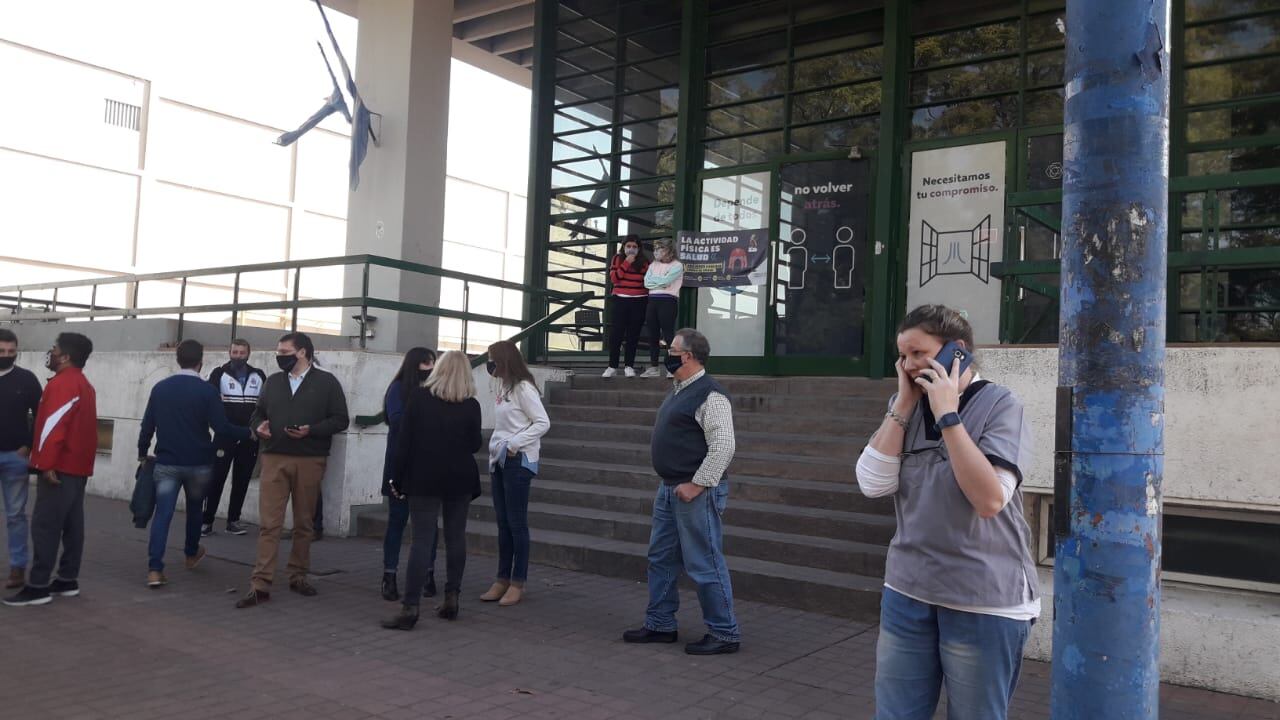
(495, 591)
(513, 595)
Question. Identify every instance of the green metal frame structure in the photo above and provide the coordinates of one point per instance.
(950, 75)
(40, 302)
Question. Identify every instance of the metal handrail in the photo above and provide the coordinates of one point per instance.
(364, 301)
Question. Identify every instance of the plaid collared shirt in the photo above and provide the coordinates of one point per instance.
(716, 419)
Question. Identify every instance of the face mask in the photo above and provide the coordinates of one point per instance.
(50, 362)
(286, 362)
(238, 364)
(7, 362)
(632, 252)
(491, 366)
(673, 362)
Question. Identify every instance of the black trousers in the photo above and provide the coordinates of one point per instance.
(660, 316)
(58, 519)
(423, 512)
(239, 457)
(624, 326)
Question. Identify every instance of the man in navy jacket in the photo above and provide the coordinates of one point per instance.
(180, 413)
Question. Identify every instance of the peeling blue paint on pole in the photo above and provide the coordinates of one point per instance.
(1110, 458)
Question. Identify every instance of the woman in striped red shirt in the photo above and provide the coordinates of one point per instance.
(627, 303)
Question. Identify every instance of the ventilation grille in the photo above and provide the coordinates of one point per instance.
(122, 114)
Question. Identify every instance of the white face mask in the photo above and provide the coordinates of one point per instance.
(632, 252)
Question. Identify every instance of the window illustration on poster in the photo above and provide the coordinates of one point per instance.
(733, 318)
(822, 255)
(956, 232)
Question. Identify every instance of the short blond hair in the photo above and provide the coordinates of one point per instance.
(451, 379)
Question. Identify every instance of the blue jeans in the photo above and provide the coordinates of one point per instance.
(921, 646)
(15, 484)
(511, 485)
(397, 520)
(689, 535)
(194, 482)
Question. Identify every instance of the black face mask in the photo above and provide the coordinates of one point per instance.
(286, 362)
(673, 363)
(7, 362)
(238, 364)
(491, 366)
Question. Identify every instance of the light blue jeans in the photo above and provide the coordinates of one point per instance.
(194, 481)
(922, 646)
(15, 483)
(688, 535)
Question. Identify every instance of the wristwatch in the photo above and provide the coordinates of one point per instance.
(947, 421)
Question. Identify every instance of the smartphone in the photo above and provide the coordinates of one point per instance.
(950, 352)
(293, 427)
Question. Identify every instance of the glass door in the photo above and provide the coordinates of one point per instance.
(803, 311)
(822, 261)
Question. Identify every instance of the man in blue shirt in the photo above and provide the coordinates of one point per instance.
(180, 412)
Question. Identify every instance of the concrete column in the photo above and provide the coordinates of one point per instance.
(402, 72)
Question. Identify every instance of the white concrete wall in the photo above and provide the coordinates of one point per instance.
(1221, 406)
(123, 381)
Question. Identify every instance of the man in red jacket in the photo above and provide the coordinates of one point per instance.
(66, 441)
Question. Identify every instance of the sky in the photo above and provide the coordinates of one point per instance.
(212, 54)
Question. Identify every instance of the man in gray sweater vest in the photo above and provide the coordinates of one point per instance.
(692, 447)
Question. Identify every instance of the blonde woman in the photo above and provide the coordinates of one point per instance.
(435, 468)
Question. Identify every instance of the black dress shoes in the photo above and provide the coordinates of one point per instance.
(708, 645)
(645, 635)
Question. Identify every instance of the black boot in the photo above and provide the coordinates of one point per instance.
(449, 609)
(390, 592)
(429, 590)
(403, 620)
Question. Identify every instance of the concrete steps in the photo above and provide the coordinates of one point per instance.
(797, 531)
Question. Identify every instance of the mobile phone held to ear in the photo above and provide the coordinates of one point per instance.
(950, 352)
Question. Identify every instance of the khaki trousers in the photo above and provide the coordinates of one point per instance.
(282, 477)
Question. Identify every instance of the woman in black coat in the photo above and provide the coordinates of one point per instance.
(435, 468)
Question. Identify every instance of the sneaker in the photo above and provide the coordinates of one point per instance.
(252, 599)
(156, 579)
(235, 528)
(64, 588)
(29, 596)
(193, 560)
(390, 592)
(206, 530)
(651, 372)
(629, 372)
(609, 372)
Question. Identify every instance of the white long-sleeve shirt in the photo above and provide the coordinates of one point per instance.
(520, 421)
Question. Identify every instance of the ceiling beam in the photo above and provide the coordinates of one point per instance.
(496, 24)
(464, 10)
(512, 42)
(479, 57)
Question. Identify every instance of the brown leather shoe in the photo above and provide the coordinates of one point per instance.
(303, 588)
(194, 560)
(495, 591)
(17, 578)
(156, 579)
(253, 599)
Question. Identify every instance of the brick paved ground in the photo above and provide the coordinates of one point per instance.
(121, 650)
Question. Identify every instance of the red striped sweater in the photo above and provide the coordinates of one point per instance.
(628, 280)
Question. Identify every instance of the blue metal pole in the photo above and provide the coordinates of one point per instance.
(1110, 459)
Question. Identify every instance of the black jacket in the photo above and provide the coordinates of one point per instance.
(436, 452)
(238, 399)
(318, 403)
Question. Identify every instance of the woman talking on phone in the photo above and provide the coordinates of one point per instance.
(960, 592)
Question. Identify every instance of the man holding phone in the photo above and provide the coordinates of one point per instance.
(298, 413)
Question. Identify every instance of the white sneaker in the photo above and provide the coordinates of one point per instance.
(629, 372)
(609, 372)
(651, 372)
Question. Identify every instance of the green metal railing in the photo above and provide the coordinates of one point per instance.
(40, 301)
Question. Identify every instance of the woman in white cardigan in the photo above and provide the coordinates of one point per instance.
(520, 421)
